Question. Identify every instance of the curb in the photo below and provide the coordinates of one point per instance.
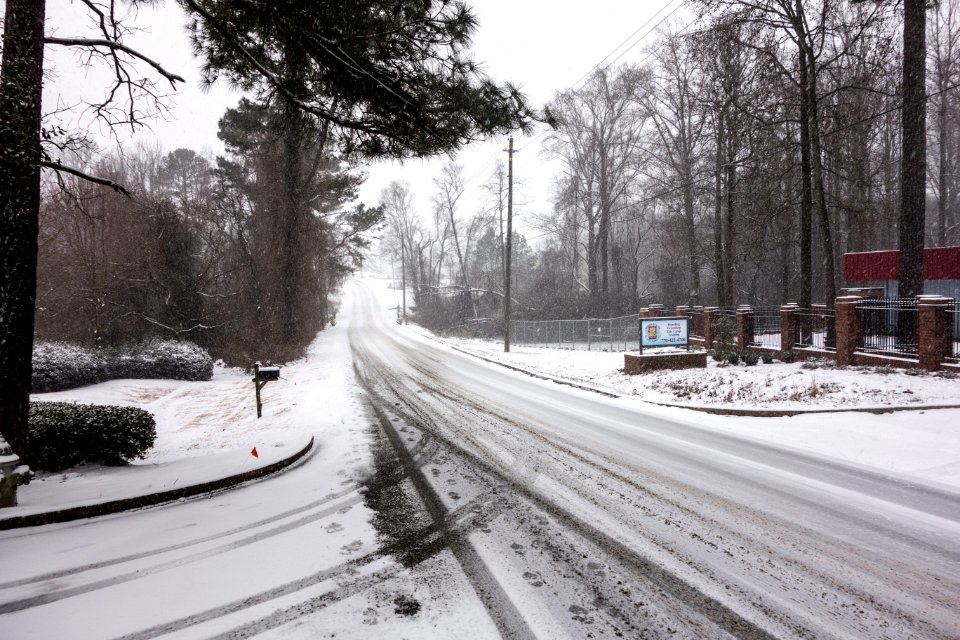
(720, 411)
(150, 499)
(539, 376)
(788, 413)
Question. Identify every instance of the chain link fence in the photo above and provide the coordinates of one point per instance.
(592, 334)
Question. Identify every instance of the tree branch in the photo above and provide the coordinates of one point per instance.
(57, 166)
(172, 78)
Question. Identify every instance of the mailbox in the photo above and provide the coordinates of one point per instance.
(263, 375)
(269, 374)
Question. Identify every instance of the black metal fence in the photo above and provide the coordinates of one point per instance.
(604, 334)
(816, 328)
(889, 326)
(766, 327)
(695, 329)
(954, 312)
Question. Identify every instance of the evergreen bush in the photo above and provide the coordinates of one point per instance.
(161, 359)
(766, 357)
(788, 356)
(58, 366)
(733, 357)
(724, 337)
(750, 358)
(64, 434)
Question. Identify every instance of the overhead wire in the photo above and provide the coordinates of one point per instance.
(595, 67)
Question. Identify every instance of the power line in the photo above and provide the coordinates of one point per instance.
(495, 154)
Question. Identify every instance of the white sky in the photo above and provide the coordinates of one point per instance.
(541, 46)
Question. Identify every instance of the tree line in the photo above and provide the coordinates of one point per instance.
(241, 254)
(734, 164)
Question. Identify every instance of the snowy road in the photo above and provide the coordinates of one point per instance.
(477, 502)
(589, 516)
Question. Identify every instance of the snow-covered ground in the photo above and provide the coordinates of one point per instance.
(815, 384)
(208, 430)
(447, 498)
(219, 416)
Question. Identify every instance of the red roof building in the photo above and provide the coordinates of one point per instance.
(941, 270)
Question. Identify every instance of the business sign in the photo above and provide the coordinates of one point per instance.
(663, 332)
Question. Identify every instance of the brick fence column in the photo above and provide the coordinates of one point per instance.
(848, 328)
(645, 312)
(656, 311)
(709, 318)
(744, 327)
(682, 310)
(788, 327)
(935, 331)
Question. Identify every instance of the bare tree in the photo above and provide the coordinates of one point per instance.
(600, 139)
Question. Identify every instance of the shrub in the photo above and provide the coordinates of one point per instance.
(788, 356)
(163, 359)
(63, 434)
(733, 357)
(767, 357)
(58, 366)
(716, 355)
(724, 336)
(750, 358)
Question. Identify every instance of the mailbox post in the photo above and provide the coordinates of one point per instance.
(261, 376)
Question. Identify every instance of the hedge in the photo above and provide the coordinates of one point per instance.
(58, 366)
(63, 434)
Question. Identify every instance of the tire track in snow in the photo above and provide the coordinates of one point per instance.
(142, 572)
(717, 613)
(53, 575)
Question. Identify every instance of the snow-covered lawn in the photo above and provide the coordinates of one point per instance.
(800, 385)
(208, 430)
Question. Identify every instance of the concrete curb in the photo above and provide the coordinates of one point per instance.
(720, 411)
(787, 413)
(540, 376)
(150, 499)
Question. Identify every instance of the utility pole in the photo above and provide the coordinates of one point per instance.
(509, 249)
(403, 278)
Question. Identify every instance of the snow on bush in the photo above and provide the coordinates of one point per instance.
(164, 359)
(64, 435)
(58, 366)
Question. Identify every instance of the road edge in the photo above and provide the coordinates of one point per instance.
(720, 410)
(151, 499)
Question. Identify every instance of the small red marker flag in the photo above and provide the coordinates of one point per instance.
(254, 453)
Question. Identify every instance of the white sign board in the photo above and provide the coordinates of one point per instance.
(663, 332)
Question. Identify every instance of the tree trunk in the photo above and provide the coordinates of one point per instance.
(943, 174)
(718, 215)
(819, 195)
(690, 232)
(21, 88)
(728, 227)
(806, 196)
(913, 162)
